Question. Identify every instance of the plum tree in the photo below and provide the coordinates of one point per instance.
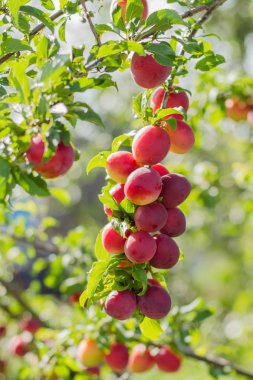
(151, 218)
(112, 241)
(155, 303)
(150, 145)
(143, 186)
(236, 109)
(167, 360)
(57, 165)
(117, 358)
(117, 192)
(175, 224)
(88, 353)
(140, 359)
(120, 304)
(175, 100)
(161, 169)
(167, 253)
(175, 189)
(140, 247)
(119, 165)
(182, 138)
(147, 72)
(123, 5)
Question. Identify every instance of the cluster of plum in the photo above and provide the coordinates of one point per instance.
(60, 162)
(156, 195)
(21, 344)
(238, 110)
(141, 359)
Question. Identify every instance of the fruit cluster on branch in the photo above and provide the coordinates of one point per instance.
(117, 357)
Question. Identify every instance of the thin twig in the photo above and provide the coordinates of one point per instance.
(216, 362)
(92, 27)
(209, 10)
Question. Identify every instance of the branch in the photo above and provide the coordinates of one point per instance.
(209, 10)
(92, 27)
(33, 32)
(217, 362)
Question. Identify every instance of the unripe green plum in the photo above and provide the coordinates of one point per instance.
(57, 165)
(148, 73)
(89, 354)
(140, 359)
(167, 253)
(155, 303)
(120, 304)
(182, 138)
(175, 190)
(175, 224)
(151, 218)
(175, 100)
(143, 186)
(167, 360)
(117, 358)
(119, 165)
(140, 247)
(161, 169)
(151, 145)
(112, 241)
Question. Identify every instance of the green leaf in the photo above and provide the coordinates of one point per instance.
(14, 6)
(5, 170)
(209, 62)
(52, 70)
(48, 4)
(114, 47)
(13, 45)
(39, 14)
(89, 115)
(163, 53)
(62, 30)
(31, 184)
(95, 275)
(134, 9)
(99, 161)
(20, 80)
(140, 275)
(100, 252)
(128, 206)
(151, 328)
(125, 139)
(164, 19)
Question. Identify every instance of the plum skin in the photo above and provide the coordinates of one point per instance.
(140, 247)
(117, 358)
(151, 218)
(143, 186)
(140, 359)
(167, 253)
(120, 304)
(148, 73)
(155, 303)
(150, 145)
(60, 162)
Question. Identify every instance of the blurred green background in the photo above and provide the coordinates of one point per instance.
(218, 243)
